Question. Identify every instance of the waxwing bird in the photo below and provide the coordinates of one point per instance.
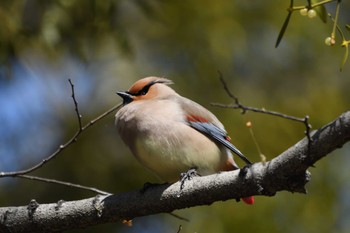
(170, 134)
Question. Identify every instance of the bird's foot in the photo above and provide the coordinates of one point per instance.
(244, 170)
(187, 176)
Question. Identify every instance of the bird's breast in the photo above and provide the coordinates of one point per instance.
(164, 143)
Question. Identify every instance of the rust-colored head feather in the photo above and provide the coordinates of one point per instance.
(148, 81)
(150, 88)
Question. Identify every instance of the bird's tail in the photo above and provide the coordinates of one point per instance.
(248, 200)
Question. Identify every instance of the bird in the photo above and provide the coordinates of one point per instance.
(170, 134)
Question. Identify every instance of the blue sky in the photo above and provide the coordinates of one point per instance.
(32, 103)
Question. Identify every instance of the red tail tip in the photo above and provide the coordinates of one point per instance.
(248, 200)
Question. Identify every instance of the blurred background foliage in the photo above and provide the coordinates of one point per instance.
(105, 46)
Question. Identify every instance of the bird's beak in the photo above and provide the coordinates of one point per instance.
(127, 98)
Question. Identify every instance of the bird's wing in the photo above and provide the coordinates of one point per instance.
(217, 134)
(205, 122)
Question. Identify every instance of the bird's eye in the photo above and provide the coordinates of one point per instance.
(144, 90)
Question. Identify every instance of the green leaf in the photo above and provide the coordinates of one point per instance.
(345, 58)
(321, 11)
(283, 29)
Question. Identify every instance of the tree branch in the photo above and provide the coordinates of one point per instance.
(67, 184)
(62, 147)
(21, 173)
(76, 106)
(238, 105)
(287, 172)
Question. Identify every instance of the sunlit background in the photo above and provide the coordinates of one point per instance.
(105, 46)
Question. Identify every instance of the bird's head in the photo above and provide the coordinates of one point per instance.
(147, 89)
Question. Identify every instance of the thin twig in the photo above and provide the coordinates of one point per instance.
(238, 105)
(229, 93)
(179, 229)
(53, 181)
(103, 115)
(75, 104)
(179, 217)
(65, 145)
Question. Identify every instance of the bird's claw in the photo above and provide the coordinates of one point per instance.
(244, 170)
(187, 176)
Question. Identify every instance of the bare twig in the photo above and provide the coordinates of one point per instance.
(53, 181)
(62, 147)
(180, 228)
(238, 105)
(179, 217)
(229, 93)
(103, 115)
(76, 105)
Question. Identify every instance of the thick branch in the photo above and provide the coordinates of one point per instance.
(287, 172)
